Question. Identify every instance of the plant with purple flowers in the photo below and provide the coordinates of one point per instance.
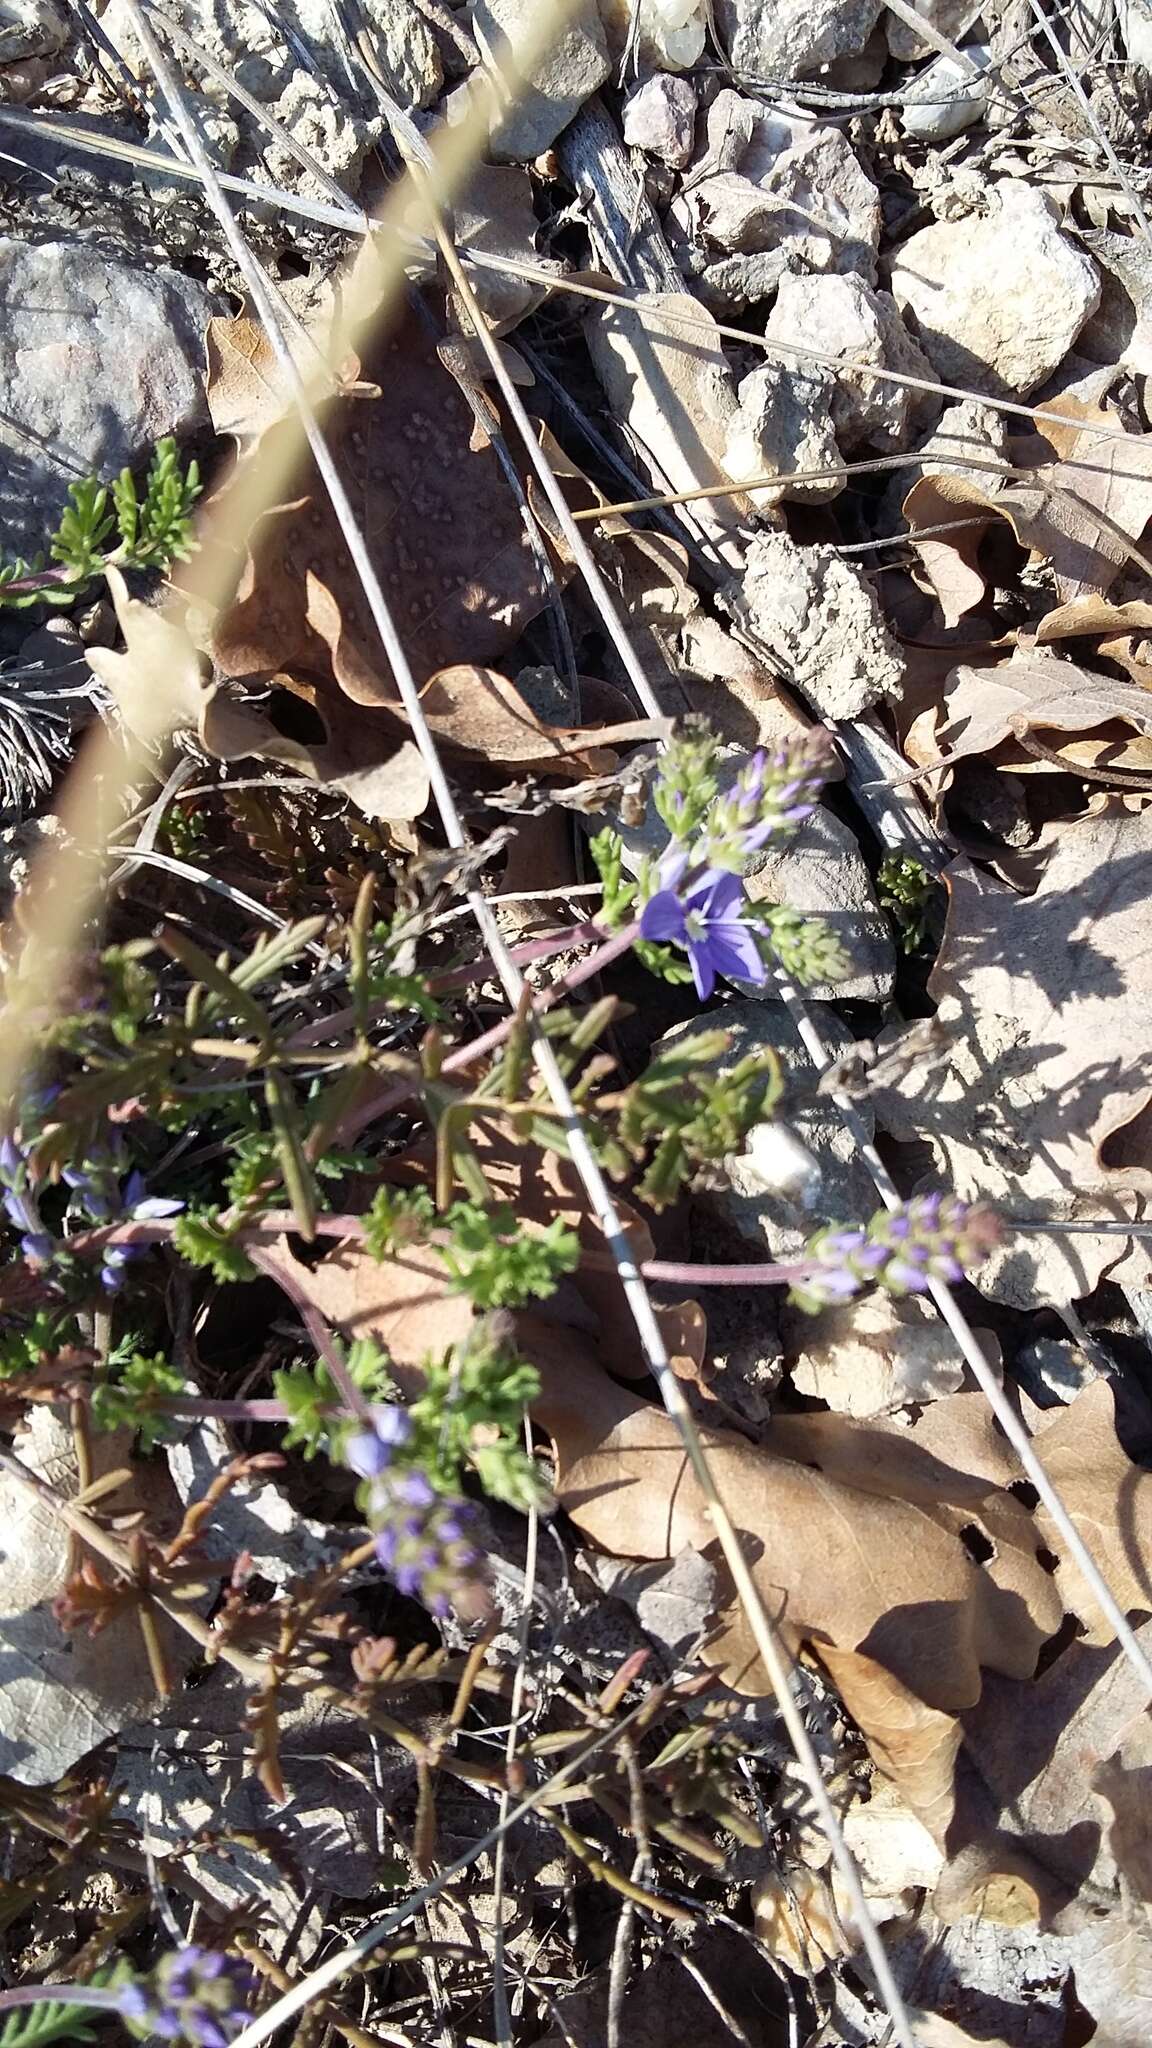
(692, 897)
(195, 1996)
(932, 1237)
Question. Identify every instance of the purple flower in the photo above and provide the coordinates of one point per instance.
(771, 797)
(707, 923)
(423, 1540)
(369, 1451)
(932, 1237)
(194, 1996)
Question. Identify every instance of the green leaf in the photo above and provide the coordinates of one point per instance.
(34, 2026)
(498, 1263)
(201, 1238)
(128, 1401)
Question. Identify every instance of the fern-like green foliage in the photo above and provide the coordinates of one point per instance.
(128, 1400)
(201, 1238)
(310, 1394)
(34, 2026)
(110, 523)
(499, 1264)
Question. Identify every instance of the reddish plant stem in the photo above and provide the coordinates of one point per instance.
(456, 977)
(276, 1222)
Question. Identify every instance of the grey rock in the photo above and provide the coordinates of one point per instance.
(784, 424)
(768, 39)
(1053, 1371)
(828, 207)
(965, 429)
(660, 118)
(730, 212)
(998, 299)
(738, 281)
(97, 361)
(950, 18)
(947, 99)
(844, 316)
(818, 618)
(576, 65)
(31, 28)
(822, 871)
(753, 1204)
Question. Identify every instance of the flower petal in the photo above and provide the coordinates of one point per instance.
(703, 972)
(663, 917)
(735, 953)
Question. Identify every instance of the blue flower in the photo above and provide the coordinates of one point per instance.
(707, 923)
(369, 1451)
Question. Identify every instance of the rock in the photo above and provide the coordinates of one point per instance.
(305, 86)
(874, 1355)
(1053, 1370)
(997, 299)
(97, 361)
(739, 281)
(845, 317)
(494, 216)
(1135, 18)
(948, 99)
(31, 28)
(666, 34)
(950, 18)
(822, 871)
(778, 1222)
(818, 619)
(660, 119)
(967, 428)
(784, 424)
(668, 381)
(767, 39)
(731, 213)
(407, 49)
(576, 65)
(831, 209)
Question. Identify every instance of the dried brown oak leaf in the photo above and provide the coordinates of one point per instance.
(1022, 709)
(442, 527)
(858, 1540)
(1083, 512)
(407, 1302)
(1040, 1109)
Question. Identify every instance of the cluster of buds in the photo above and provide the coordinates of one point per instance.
(95, 1198)
(771, 798)
(194, 1995)
(932, 1237)
(423, 1537)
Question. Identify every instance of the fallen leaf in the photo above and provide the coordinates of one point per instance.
(157, 683)
(1084, 513)
(1114, 1979)
(480, 712)
(890, 1575)
(442, 527)
(1046, 1000)
(915, 1746)
(1033, 694)
(1109, 1499)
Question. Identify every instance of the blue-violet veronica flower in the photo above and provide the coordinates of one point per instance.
(706, 921)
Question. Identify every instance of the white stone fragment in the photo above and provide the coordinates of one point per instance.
(998, 298)
(948, 98)
(575, 66)
(843, 316)
(784, 424)
(816, 615)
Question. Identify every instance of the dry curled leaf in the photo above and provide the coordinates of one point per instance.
(857, 1539)
(1109, 1499)
(1083, 513)
(1040, 1109)
(1022, 709)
